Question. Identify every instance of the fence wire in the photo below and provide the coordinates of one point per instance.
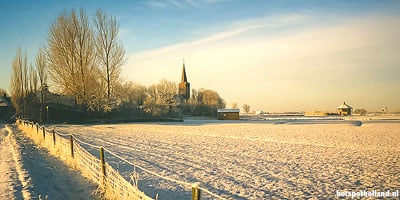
(113, 184)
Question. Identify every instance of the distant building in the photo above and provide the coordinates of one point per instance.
(4, 101)
(228, 114)
(344, 109)
(6, 108)
(184, 85)
(260, 112)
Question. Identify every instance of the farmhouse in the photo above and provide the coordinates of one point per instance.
(228, 114)
(344, 109)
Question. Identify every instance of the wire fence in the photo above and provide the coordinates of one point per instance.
(111, 183)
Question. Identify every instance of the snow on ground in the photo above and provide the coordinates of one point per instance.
(27, 172)
(255, 160)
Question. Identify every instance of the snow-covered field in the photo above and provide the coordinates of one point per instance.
(28, 172)
(254, 160)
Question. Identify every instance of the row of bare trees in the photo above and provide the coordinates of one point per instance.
(204, 102)
(246, 107)
(24, 82)
(159, 99)
(85, 62)
(83, 59)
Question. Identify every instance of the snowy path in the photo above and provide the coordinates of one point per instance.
(13, 179)
(255, 161)
(31, 173)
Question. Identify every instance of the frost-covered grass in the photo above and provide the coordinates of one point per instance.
(254, 160)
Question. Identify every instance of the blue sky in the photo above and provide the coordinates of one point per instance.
(273, 55)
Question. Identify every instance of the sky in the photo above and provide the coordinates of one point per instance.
(276, 56)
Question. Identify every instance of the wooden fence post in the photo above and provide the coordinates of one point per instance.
(103, 166)
(47, 114)
(44, 133)
(72, 145)
(54, 137)
(37, 128)
(196, 194)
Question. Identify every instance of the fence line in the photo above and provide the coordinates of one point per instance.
(111, 182)
(150, 172)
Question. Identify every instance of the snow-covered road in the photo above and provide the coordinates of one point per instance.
(27, 172)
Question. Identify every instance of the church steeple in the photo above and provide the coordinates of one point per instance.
(184, 86)
(184, 78)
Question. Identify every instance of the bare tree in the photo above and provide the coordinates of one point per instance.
(246, 108)
(71, 55)
(18, 80)
(234, 105)
(85, 55)
(110, 52)
(166, 91)
(25, 74)
(152, 92)
(206, 102)
(211, 98)
(151, 100)
(41, 66)
(138, 95)
(132, 93)
(61, 54)
(33, 79)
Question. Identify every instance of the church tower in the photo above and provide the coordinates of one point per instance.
(184, 86)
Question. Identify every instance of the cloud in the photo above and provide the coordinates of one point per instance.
(215, 38)
(181, 3)
(286, 62)
(155, 4)
(177, 3)
(214, 1)
(191, 2)
(171, 4)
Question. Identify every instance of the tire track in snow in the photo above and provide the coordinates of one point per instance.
(49, 177)
(201, 167)
(143, 156)
(22, 183)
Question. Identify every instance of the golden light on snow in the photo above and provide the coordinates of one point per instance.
(258, 160)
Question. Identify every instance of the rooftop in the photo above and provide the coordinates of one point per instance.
(228, 110)
(344, 105)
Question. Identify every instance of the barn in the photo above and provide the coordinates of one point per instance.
(228, 114)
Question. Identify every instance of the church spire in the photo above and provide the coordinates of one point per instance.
(184, 78)
(184, 86)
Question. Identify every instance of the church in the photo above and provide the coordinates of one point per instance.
(184, 86)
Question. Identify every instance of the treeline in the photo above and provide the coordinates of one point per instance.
(162, 100)
(83, 60)
(203, 102)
